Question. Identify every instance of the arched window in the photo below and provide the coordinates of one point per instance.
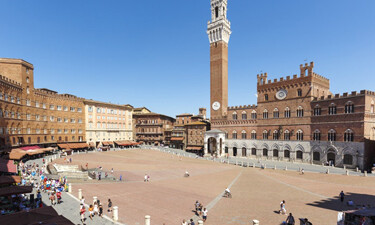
(349, 135)
(265, 135)
(317, 111)
(348, 159)
(287, 135)
(300, 111)
(253, 135)
(253, 114)
(234, 134)
(299, 155)
(349, 107)
(265, 152)
(266, 97)
(286, 154)
(234, 116)
(287, 112)
(275, 135)
(275, 113)
(332, 135)
(316, 135)
(243, 134)
(275, 153)
(300, 135)
(265, 114)
(332, 109)
(299, 92)
(244, 115)
(253, 151)
(316, 156)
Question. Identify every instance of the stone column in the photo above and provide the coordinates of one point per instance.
(147, 220)
(115, 213)
(205, 147)
(79, 194)
(70, 188)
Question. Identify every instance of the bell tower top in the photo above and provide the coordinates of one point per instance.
(218, 29)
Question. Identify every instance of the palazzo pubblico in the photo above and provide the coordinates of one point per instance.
(296, 118)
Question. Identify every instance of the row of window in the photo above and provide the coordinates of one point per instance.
(348, 135)
(20, 141)
(332, 110)
(10, 98)
(106, 110)
(14, 130)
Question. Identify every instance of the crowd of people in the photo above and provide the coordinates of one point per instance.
(95, 209)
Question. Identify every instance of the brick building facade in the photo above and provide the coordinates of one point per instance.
(153, 128)
(296, 118)
(30, 116)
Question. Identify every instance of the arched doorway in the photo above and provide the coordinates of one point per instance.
(212, 146)
(286, 154)
(234, 151)
(243, 151)
(265, 152)
(331, 158)
(299, 155)
(253, 151)
(275, 153)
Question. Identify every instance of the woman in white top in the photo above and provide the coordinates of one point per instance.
(184, 222)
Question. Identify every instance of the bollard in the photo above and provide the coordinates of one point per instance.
(265, 166)
(95, 199)
(248, 164)
(255, 222)
(147, 220)
(115, 213)
(274, 167)
(344, 167)
(200, 222)
(79, 194)
(327, 172)
(70, 188)
(286, 168)
(347, 172)
(253, 165)
(357, 169)
(242, 163)
(236, 162)
(365, 174)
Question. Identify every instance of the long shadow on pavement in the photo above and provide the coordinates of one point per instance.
(335, 204)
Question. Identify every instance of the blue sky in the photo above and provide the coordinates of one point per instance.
(156, 53)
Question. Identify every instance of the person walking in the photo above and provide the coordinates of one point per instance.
(145, 178)
(101, 210)
(109, 205)
(342, 195)
(91, 212)
(82, 213)
(191, 222)
(204, 212)
(290, 219)
(282, 207)
(184, 222)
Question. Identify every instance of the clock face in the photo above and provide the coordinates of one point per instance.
(215, 106)
(281, 94)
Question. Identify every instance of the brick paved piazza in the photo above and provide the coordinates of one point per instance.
(169, 197)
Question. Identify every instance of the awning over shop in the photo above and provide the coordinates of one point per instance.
(30, 148)
(126, 143)
(177, 138)
(15, 190)
(7, 166)
(194, 148)
(17, 154)
(107, 143)
(9, 179)
(73, 146)
(43, 215)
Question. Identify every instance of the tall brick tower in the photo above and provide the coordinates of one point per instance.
(218, 31)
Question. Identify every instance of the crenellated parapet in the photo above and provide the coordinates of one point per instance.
(242, 107)
(53, 94)
(306, 75)
(5, 80)
(345, 95)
